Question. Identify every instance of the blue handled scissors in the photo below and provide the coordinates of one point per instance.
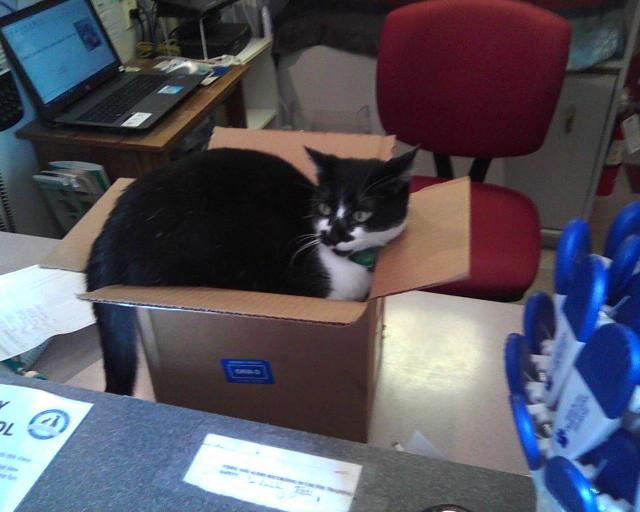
(569, 486)
(539, 323)
(526, 430)
(618, 463)
(574, 245)
(623, 268)
(627, 312)
(626, 223)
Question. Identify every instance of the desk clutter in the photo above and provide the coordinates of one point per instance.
(71, 189)
(211, 70)
(200, 33)
(574, 375)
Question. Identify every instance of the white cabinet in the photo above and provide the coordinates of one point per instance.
(562, 177)
(564, 173)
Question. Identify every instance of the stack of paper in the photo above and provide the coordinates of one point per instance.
(71, 189)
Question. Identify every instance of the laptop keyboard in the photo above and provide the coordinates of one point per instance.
(122, 99)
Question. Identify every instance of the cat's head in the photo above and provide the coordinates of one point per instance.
(360, 204)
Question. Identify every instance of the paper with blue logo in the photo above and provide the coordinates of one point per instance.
(34, 426)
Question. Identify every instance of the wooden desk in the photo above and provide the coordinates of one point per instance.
(125, 155)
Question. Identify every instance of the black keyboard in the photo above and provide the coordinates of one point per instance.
(121, 100)
(11, 110)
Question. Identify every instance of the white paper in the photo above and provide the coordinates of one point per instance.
(38, 303)
(136, 119)
(418, 444)
(273, 477)
(34, 425)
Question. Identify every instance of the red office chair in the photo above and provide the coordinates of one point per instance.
(477, 78)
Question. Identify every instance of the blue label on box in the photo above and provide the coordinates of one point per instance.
(247, 371)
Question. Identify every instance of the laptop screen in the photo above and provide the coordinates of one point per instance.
(60, 47)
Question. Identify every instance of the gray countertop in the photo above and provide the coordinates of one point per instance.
(129, 454)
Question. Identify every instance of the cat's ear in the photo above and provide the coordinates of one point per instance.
(324, 163)
(400, 169)
(400, 166)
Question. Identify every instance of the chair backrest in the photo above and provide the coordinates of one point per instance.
(476, 78)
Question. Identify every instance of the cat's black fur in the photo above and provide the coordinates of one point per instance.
(229, 218)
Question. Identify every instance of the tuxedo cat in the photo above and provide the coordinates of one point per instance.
(241, 219)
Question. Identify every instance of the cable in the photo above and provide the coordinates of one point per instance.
(7, 6)
(141, 12)
(143, 32)
(134, 14)
(148, 49)
(143, 6)
(154, 15)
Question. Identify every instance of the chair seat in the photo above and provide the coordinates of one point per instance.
(505, 243)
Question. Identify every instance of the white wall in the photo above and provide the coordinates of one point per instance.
(17, 164)
(324, 79)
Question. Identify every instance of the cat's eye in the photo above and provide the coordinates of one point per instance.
(324, 209)
(361, 216)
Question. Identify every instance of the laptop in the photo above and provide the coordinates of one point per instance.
(74, 76)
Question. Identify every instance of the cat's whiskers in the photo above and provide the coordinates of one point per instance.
(304, 235)
(303, 238)
(306, 246)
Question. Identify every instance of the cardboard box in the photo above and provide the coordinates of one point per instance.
(320, 354)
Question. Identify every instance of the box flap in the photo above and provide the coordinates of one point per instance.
(289, 145)
(436, 246)
(214, 300)
(72, 252)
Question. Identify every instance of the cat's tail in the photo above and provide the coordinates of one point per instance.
(116, 324)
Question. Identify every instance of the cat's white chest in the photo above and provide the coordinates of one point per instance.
(349, 281)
